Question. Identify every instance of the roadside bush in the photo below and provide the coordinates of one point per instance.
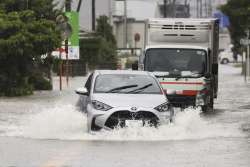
(23, 89)
(40, 83)
(27, 31)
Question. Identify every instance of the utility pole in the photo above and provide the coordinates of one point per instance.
(247, 58)
(111, 12)
(125, 25)
(93, 15)
(67, 9)
(210, 9)
(201, 14)
(206, 9)
(164, 8)
(197, 8)
(174, 9)
(79, 6)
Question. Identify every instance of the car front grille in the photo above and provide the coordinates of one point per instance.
(118, 118)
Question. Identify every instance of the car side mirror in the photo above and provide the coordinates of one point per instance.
(207, 75)
(215, 69)
(82, 91)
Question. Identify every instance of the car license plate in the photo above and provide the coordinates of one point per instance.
(133, 123)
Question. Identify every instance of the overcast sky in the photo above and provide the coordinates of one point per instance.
(141, 9)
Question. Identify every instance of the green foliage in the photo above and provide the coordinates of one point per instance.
(100, 50)
(105, 30)
(40, 83)
(42, 8)
(20, 90)
(26, 33)
(238, 12)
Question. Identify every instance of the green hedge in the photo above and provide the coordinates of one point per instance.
(40, 83)
(18, 91)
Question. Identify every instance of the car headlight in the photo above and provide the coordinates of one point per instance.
(100, 106)
(200, 97)
(163, 107)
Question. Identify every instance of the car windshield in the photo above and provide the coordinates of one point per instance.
(126, 83)
(180, 62)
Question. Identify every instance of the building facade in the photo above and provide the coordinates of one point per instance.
(102, 7)
(134, 28)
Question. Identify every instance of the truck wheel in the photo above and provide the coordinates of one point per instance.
(207, 108)
(204, 108)
(210, 106)
(224, 61)
(211, 103)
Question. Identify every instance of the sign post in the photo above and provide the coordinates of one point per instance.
(69, 26)
(72, 43)
(61, 50)
(246, 42)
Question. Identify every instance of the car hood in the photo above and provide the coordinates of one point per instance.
(131, 100)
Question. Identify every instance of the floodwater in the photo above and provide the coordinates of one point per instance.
(47, 129)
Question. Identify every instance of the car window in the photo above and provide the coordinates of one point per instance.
(126, 83)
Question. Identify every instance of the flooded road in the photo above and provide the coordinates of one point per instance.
(47, 129)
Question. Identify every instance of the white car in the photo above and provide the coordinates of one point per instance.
(121, 98)
(226, 57)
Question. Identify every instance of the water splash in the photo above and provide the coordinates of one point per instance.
(65, 122)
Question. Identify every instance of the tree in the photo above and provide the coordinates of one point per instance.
(26, 33)
(99, 50)
(105, 30)
(238, 12)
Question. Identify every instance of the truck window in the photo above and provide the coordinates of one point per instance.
(169, 60)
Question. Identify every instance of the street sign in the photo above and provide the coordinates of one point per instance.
(73, 48)
(137, 37)
(224, 20)
(245, 41)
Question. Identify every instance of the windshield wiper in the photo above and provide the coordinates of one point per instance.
(179, 77)
(161, 76)
(192, 74)
(196, 74)
(138, 90)
(121, 88)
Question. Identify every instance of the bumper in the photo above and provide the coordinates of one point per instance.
(184, 101)
(117, 117)
(181, 100)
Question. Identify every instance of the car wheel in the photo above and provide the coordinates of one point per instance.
(152, 122)
(224, 61)
(94, 127)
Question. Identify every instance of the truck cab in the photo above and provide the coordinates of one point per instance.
(183, 55)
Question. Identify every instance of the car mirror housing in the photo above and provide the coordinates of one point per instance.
(82, 91)
(207, 75)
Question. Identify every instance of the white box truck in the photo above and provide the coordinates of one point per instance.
(183, 55)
